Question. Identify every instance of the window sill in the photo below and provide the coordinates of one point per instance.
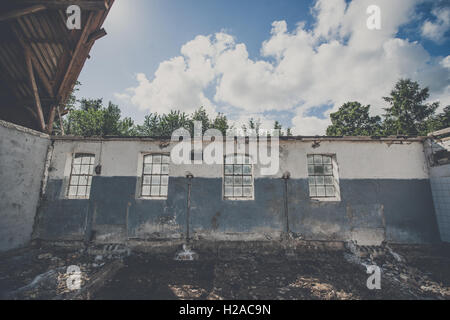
(238, 199)
(325, 199)
(151, 198)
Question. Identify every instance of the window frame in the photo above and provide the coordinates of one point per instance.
(238, 198)
(142, 176)
(334, 175)
(89, 175)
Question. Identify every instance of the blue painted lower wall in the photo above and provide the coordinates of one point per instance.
(396, 210)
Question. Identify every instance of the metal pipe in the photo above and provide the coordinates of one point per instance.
(189, 176)
(286, 177)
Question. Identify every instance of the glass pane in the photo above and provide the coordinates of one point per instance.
(228, 191)
(229, 159)
(155, 191)
(89, 181)
(156, 158)
(164, 191)
(247, 160)
(84, 169)
(74, 180)
(91, 169)
(310, 159)
(92, 160)
(312, 181)
(326, 159)
(317, 159)
(247, 169)
(156, 180)
(318, 169)
(77, 160)
(146, 190)
(248, 191)
(228, 180)
(310, 170)
(238, 180)
(76, 169)
(165, 180)
(319, 180)
(88, 191)
(228, 169)
(328, 180)
(320, 191)
(328, 169)
(156, 169)
(85, 160)
(312, 191)
(147, 168)
(247, 180)
(73, 191)
(238, 191)
(148, 159)
(81, 191)
(83, 180)
(237, 169)
(329, 191)
(239, 159)
(147, 179)
(164, 169)
(165, 159)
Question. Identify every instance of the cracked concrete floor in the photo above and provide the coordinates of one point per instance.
(422, 273)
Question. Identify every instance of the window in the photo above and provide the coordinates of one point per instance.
(81, 175)
(238, 177)
(155, 176)
(322, 179)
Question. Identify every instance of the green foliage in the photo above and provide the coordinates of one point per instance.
(353, 119)
(408, 113)
(93, 119)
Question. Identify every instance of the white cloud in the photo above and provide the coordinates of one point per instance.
(436, 30)
(339, 60)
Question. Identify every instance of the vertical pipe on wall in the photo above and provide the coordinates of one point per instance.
(189, 177)
(286, 177)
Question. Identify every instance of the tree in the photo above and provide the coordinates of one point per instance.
(221, 123)
(353, 119)
(93, 119)
(408, 113)
(439, 121)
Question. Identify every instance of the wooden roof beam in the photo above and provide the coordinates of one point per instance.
(37, 101)
(60, 4)
(37, 66)
(94, 36)
(17, 13)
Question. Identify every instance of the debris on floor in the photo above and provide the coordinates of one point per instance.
(296, 272)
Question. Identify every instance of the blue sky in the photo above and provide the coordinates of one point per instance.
(271, 68)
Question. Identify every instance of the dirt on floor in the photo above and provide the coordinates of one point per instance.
(299, 272)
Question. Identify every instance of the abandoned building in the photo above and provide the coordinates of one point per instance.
(127, 190)
(120, 190)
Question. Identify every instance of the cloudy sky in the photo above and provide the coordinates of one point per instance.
(288, 60)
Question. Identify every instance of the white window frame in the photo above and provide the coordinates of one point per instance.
(233, 198)
(141, 177)
(335, 172)
(90, 175)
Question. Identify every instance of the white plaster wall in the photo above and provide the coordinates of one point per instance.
(22, 159)
(356, 160)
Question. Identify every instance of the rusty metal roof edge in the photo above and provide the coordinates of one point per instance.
(284, 138)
